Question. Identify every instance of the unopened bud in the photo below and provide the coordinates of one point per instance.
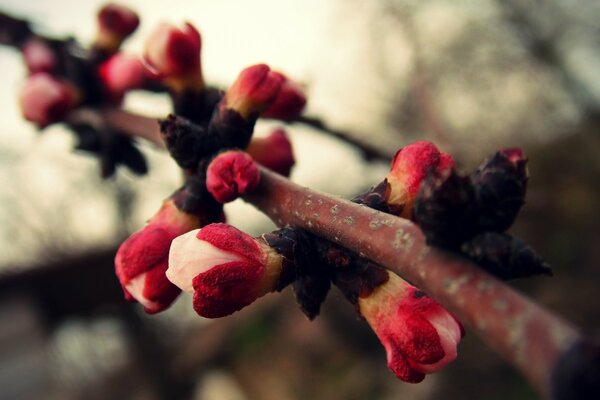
(255, 90)
(45, 99)
(420, 337)
(173, 53)
(115, 24)
(273, 152)
(224, 268)
(120, 74)
(230, 175)
(142, 259)
(38, 56)
(289, 103)
(410, 166)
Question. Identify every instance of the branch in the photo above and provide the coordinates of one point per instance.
(545, 348)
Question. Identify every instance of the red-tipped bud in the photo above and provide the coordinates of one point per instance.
(224, 268)
(289, 103)
(142, 259)
(45, 99)
(231, 174)
(173, 54)
(273, 152)
(420, 337)
(120, 74)
(38, 56)
(115, 23)
(255, 90)
(410, 166)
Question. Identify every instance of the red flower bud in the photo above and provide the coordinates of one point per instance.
(45, 99)
(225, 268)
(38, 56)
(231, 174)
(173, 54)
(255, 89)
(289, 103)
(420, 337)
(142, 259)
(410, 166)
(115, 23)
(120, 74)
(273, 152)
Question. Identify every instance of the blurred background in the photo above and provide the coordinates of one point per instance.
(469, 75)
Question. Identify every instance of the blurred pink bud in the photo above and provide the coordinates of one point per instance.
(120, 74)
(115, 23)
(45, 99)
(289, 103)
(273, 152)
(224, 268)
(420, 337)
(142, 259)
(255, 89)
(38, 56)
(410, 166)
(231, 174)
(173, 54)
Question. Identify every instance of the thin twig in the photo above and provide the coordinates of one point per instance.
(533, 339)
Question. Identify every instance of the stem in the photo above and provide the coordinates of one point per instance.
(120, 120)
(368, 151)
(533, 339)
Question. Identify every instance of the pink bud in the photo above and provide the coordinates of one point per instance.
(120, 74)
(231, 174)
(45, 99)
(410, 166)
(142, 259)
(115, 23)
(255, 89)
(289, 103)
(420, 337)
(225, 268)
(173, 53)
(273, 152)
(39, 57)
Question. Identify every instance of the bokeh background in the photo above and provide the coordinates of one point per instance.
(470, 75)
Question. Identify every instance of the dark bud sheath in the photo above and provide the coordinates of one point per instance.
(310, 281)
(505, 256)
(13, 31)
(444, 209)
(186, 142)
(376, 197)
(500, 184)
(196, 105)
(231, 129)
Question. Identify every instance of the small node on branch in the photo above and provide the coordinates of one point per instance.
(230, 175)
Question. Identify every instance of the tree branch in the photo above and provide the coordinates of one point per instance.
(534, 340)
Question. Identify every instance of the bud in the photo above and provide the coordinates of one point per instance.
(142, 259)
(38, 56)
(255, 90)
(410, 166)
(445, 209)
(420, 337)
(45, 99)
(120, 74)
(173, 54)
(289, 103)
(224, 268)
(500, 185)
(505, 256)
(115, 24)
(231, 174)
(273, 152)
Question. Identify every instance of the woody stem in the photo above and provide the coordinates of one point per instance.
(533, 339)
